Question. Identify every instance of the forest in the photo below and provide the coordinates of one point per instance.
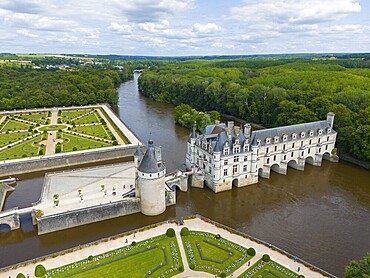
(26, 87)
(274, 92)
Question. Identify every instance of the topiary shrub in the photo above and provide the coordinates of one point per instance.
(218, 236)
(251, 252)
(90, 258)
(185, 231)
(133, 243)
(20, 275)
(40, 270)
(170, 232)
(74, 149)
(222, 275)
(191, 266)
(115, 143)
(266, 258)
(181, 268)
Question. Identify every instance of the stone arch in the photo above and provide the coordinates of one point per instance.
(309, 160)
(260, 171)
(292, 163)
(235, 182)
(275, 167)
(326, 155)
(5, 228)
(175, 186)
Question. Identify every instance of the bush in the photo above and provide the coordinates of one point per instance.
(170, 232)
(191, 266)
(74, 149)
(251, 252)
(185, 231)
(20, 275)
(41, 152)
(181, 268)
(218, 236)
(115, 143)
(40, 270)
(58, 148)
(223, 275)
(266, 258)
(133, 243)
(90, 258)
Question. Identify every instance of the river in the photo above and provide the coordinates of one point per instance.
(321, 215)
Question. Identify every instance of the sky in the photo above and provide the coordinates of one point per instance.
(184, 27)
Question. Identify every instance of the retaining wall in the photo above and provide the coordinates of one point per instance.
(28, 165)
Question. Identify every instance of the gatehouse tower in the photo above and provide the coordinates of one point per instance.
(151, 181)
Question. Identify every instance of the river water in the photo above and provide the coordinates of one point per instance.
(321, 215)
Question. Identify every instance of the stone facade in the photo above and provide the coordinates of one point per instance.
(229, 155)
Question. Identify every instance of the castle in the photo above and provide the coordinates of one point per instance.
(225, 156)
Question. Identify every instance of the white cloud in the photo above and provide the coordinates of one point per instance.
(120, 28)
(26, 33)
(208, 28)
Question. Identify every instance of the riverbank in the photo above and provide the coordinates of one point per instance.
(197, 223)
(351, 159)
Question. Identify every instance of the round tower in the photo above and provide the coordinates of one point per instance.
(151, 182)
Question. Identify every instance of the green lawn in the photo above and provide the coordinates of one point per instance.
(14, 125)
(28, 148)
(81, 143)
(71, 114)
(207, 253)
(89, 119)
(6, 139)
(159, 256)
(268, 270)
(39, 117)
(94, 130)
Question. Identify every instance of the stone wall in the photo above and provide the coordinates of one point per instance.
(28, 165)
(4, 189)
(89, 215)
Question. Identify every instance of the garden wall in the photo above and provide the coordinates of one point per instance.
(27, 165)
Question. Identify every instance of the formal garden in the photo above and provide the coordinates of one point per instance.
(267, 268)
(155, 257)
(28, 134)
(211, 253)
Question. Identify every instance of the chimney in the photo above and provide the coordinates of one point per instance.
(247, 130)
(230, 124)
(330, 119)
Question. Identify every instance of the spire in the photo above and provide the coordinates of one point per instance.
(254, 141)
(150, 164)
(194, 132)
(138, 151)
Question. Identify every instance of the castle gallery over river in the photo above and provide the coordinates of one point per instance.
(223, 156)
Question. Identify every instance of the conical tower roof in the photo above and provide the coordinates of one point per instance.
(150, 164)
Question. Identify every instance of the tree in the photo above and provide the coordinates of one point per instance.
(358, 269)
(40, 270)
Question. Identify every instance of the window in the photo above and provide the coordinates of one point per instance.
(210, 169)
(235, 169)
(327, 138)
(267, 150)
(303, 135)
(276, 139)
(226, 150)
(268, 160)
(302, 153)
(319, 150)
(246, 176)
(309, 150)
(267, 140)
(236, 158)
(329, 130)
(274, 157)
(275, 148)
(294, 136)
(320, 131)
(236, 149)
(284, 147)
(310, 141)
(245, 168)
(293, 145)
(225, 172)
(285, 137)
(301, 143)
(245, 158)
(225, 162)
(326, 147)
(291, 154)
(284, 157)
(319, 140)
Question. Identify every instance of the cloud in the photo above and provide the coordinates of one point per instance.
(208, 28)
(120, 28)
(26, 33)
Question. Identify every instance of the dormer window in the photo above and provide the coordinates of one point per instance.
(311, 132)
(294, 136)
(226, 150)
(276, 139)
(285, 137)
(268, 140)
(236, 149)
(329, 130)
(237, 141)
(303, 134)
(319, 131)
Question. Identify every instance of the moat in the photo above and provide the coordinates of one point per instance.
(321, 215)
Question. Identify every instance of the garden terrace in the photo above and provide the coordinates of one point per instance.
(269, 269)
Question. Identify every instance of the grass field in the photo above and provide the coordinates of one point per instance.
(89, 119)
(80, 143)
(269, 270)
(14, 125)
(6, 139)
(39, 118)
(207, 253)
(24, 149)
(94, 130)
(71, 114)
(155, 257)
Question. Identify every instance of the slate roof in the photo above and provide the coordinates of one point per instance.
(138, 151)
(262, 134)
(149, 164)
